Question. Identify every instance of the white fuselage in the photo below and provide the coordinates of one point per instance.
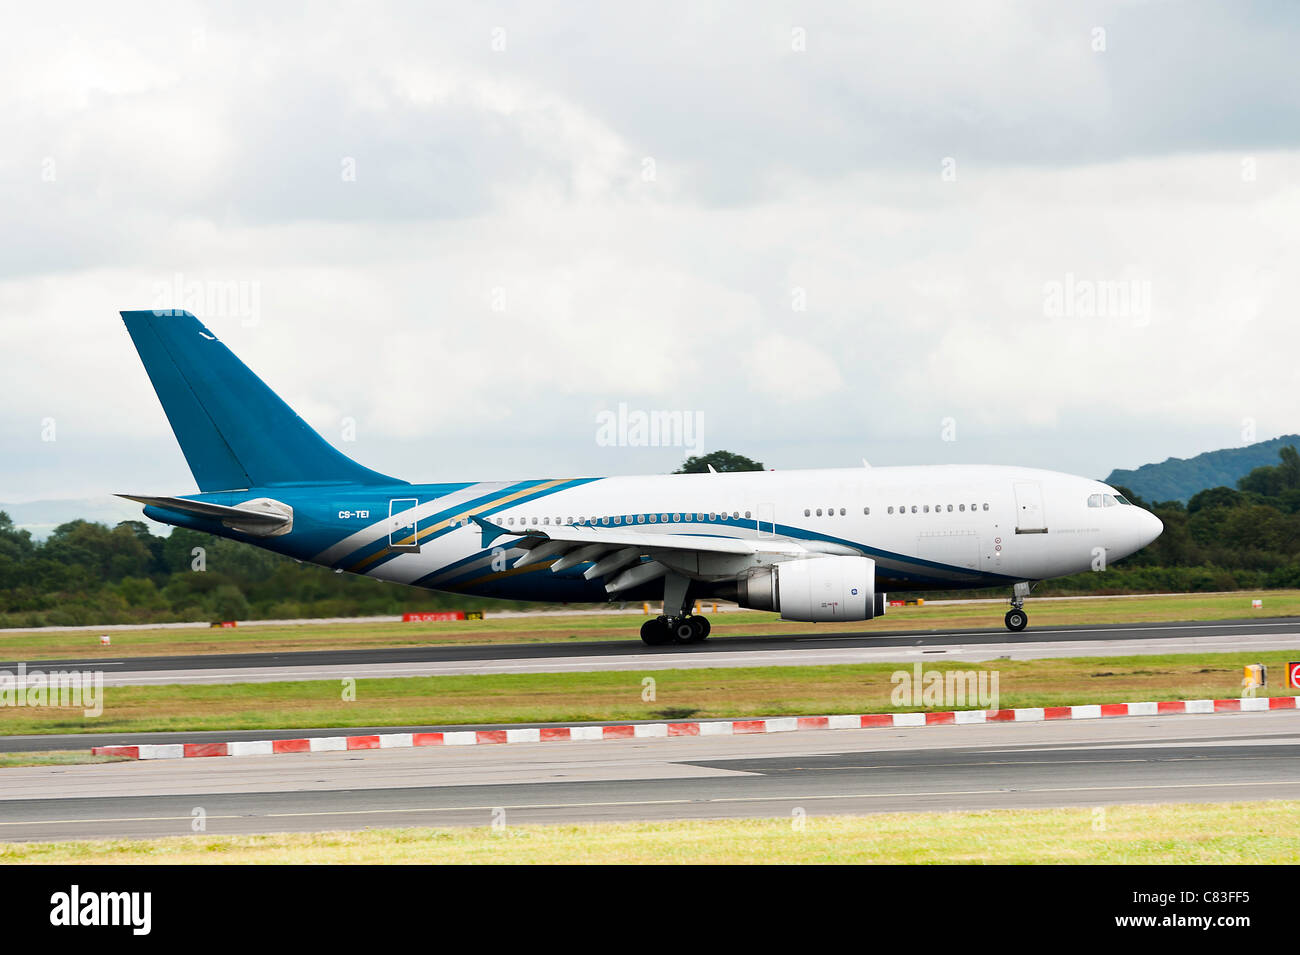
(930, 527)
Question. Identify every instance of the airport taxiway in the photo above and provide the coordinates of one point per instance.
(1213, 758)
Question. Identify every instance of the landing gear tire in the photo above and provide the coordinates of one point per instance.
(702, 627)
(683, 630)
(655, 633)
(1016, 620)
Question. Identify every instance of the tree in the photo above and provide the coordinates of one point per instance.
(1214, 497)
(721, 461)
(1272, 481)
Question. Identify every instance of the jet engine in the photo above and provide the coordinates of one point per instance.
(815, 589)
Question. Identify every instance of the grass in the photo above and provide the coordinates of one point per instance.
(617, 695)
(38, 645)
(54, 757)
(1246, 833)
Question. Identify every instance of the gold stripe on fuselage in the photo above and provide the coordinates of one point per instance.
(447, 522)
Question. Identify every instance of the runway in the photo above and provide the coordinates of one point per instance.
(1211, 758)
(631, 654)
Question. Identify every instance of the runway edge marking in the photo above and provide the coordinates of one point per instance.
(775, 724)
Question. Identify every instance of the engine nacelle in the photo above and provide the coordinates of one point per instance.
(815, 589)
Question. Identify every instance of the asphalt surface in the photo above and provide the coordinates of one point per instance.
(631, 654)
(1211, 758)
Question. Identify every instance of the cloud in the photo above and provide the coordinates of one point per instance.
(790, 263)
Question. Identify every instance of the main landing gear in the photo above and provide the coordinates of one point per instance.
(687, 628)
(683, 626)
(1016, 618)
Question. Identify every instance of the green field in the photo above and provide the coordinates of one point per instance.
(617, 695)
(1246, 833)
(38, 645)
(55, 757)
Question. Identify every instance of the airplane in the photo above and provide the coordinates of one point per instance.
(812, 545)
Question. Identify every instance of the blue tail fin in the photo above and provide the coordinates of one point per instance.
(234, 430)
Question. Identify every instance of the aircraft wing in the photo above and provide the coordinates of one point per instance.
(626, 557)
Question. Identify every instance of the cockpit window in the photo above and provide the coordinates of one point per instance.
(1107, 500)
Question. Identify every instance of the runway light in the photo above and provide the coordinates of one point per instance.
(105, 640)
(1256, 605)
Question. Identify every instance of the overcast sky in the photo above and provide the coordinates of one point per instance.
(826, 232)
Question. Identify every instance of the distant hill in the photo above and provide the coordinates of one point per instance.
(1177, 479)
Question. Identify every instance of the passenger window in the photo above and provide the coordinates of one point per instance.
(961, 507)
(747, 515)
(986, 507)
(819, 512)
(913, 508)
(925, 509)
(807, 512)
(949, 508)
(842, 512)
(867, 511)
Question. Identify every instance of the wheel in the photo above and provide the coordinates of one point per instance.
(683, 630)
(655, 633)
(703, 626)
(1017, 620)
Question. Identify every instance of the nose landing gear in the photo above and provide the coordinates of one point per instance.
(1016, 618)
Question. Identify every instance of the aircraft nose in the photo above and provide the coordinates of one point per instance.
(1149, 527)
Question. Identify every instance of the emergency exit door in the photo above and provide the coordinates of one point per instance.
(1030, 518)
(403, 527)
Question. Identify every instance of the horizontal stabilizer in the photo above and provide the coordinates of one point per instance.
(261, 517)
